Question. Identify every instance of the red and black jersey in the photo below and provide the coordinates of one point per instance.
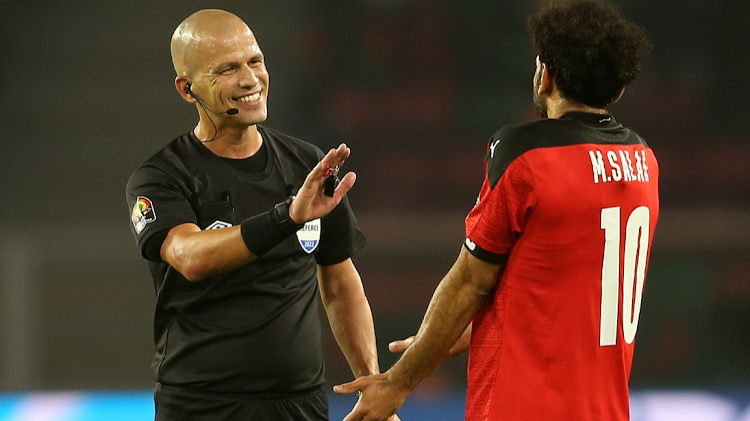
(569, 206)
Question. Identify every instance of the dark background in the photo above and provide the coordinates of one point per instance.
(415, 88)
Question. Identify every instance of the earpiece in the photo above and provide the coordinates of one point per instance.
(231, 111)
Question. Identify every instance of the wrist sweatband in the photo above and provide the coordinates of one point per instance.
(263, 232)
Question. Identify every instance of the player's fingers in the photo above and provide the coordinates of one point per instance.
(353, 416)
(400, 346)
(349, 388)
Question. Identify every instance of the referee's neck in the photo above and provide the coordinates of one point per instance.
(237, 143)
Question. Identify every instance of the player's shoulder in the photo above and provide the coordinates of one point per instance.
(286, 143)
(513, 140)
(575, 128)
(520, 137)
(518, 131)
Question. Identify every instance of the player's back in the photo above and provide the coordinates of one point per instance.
(574, 203)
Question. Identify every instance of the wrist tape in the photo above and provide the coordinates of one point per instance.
(263, 232)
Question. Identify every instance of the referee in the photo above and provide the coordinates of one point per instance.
(240, 237)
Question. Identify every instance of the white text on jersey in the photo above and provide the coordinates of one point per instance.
(619, 166)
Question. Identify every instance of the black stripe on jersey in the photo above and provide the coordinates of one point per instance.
(575, 128)
(484, 255)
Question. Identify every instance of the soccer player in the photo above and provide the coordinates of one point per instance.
(554, 261)
(240, 238)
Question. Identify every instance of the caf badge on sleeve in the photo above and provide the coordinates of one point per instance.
(143, 213)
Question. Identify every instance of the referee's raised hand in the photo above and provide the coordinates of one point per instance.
(311, 202)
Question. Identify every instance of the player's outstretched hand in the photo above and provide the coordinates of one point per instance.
(379, 399)
(310, 202)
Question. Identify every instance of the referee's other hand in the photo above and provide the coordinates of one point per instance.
(311, 203)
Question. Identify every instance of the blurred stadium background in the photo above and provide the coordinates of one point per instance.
(416, 88)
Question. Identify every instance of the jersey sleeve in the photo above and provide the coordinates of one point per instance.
(505, 202)
(156, 204)
(340, 236)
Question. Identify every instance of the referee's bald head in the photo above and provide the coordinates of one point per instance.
(196, 38)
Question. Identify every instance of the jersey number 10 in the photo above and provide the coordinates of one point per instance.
(633, 273)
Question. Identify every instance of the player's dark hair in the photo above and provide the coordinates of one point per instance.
(591, 50)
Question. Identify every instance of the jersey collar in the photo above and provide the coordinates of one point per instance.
(597, 121)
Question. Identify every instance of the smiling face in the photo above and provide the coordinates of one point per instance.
(218, 54)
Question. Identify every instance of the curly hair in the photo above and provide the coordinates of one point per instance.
(591, 50)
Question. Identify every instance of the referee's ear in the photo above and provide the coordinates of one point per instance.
(183, 86)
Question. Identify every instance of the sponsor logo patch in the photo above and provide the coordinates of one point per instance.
(309, 236)
(470, 244)
(218, 224)
(143, 213)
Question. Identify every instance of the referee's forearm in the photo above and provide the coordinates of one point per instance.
(199, 254)
(351, 322)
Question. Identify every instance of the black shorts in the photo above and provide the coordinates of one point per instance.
(184, 404)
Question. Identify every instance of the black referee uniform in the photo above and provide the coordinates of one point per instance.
(245, 344)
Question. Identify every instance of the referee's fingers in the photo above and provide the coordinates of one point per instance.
(342, 153)
(336, 157)
(328, 160)
(345, 185)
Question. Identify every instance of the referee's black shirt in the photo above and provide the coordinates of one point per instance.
(255, 329)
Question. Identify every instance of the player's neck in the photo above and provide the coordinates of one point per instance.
(558, 106)
(231, 142)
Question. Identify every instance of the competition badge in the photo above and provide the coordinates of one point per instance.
(143, 213)
(309, 236)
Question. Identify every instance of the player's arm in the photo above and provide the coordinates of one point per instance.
(456, 300)
(461, 346)
(349, 315)
(198, 254)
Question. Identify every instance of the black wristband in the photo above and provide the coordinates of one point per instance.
(263, 232)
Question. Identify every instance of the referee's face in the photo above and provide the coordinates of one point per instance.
(235, 75)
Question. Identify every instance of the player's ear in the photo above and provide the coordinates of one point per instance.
(545, 79)
(542, 78)
(617, 98)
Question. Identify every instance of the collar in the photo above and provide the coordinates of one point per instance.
(598, 121)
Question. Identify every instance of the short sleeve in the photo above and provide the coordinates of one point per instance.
(501, 212)
(340, 236)
(156, 204)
